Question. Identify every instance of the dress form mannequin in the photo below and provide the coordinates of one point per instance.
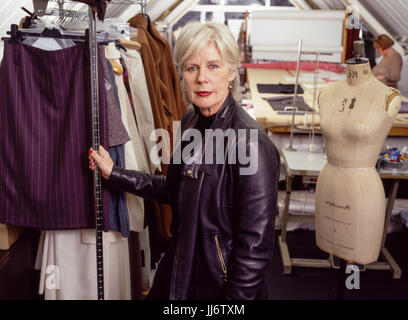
(356, 115)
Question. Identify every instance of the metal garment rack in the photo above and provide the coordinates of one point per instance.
(93, 54)
(41, 6)
(143, 3)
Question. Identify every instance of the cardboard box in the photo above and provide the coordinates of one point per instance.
(9, 235)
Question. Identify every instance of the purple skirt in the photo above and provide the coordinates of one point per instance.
(45, 134)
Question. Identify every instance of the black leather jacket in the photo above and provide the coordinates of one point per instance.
(223, 224)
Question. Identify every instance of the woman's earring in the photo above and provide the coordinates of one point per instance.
(230, 85)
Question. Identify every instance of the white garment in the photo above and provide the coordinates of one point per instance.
(135, 153)
(67, 260)
(48, 44)
(141, 100)
(138, 149)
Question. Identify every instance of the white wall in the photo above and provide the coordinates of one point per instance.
(10, 13)
(275, 35)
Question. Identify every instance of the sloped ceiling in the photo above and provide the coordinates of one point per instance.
(378, 16)
(393, 15)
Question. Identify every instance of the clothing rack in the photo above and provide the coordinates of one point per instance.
(142, 3)
(16, 34)
(90, 36)
(67, 14)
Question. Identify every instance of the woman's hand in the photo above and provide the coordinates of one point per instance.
(103, 160)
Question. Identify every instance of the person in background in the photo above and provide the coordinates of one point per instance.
(388, 70)
(224, 208)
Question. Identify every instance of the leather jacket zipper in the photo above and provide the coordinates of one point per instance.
(221, 257)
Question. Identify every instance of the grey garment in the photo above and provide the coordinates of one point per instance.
(281, 102)
(63, 43)
(118, 211)
(390, 67)
(116, 130)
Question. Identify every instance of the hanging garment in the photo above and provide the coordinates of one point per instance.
(138, 119)
(67, 258)
(45, 127)
(135, 156)
(118, 213)
(143, 109)
(162, 78)
(68, 265)
(165, 96)
(98, 6)
(137, 89)
(49, 44)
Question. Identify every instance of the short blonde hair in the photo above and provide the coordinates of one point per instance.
(195, 35)
(383, 41)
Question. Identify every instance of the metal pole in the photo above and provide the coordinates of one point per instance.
(96, 142)
(143, 8)
(290, 148)
(312, 146)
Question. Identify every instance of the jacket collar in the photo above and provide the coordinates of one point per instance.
(222, 121)
(156, 42)
(223, 113)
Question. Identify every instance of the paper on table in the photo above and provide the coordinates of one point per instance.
(303, 77)
(311, 86)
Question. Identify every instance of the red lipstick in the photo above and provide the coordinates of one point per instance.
(203, 93)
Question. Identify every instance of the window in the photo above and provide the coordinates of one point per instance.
(189, 16)
(224, 10)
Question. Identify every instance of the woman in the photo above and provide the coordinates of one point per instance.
(388, 70)
(223, 210)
